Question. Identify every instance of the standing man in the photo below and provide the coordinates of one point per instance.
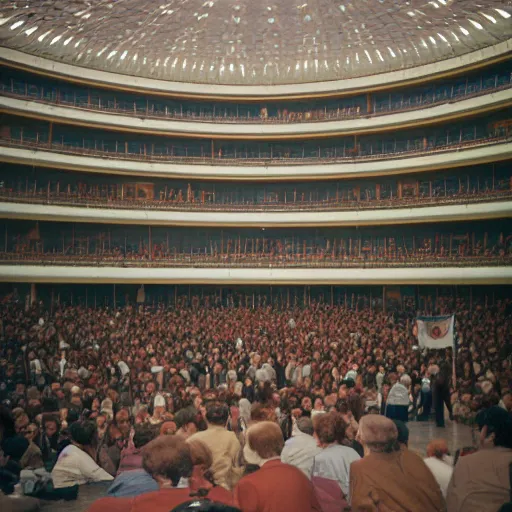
(441, 391)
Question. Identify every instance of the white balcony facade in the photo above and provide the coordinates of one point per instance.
(371, 124)
(446, 213)
(224, 170)
(255, 276)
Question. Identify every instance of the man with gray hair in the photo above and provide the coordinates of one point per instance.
(301, 449)
(397, 404)
(390, 477)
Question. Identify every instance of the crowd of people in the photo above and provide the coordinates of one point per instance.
(364, 251)
(185, 403)
(149, 196)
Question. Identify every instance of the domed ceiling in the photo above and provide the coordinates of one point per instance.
(252, 42)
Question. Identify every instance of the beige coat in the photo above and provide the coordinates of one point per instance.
(480, 481)
(225, 449)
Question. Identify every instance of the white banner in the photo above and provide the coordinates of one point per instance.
(435, 331)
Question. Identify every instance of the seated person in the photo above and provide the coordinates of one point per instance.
(168, 459)
(132, 479)
(75, 464)
(275, 486)
(32, 458)
(388, 475)
(480, 481)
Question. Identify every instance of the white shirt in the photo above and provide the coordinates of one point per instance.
(442, 471)
(300, 451)
(74, 466)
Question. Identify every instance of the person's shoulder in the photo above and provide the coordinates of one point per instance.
(289, 470)
(220, 494)
(362, 463)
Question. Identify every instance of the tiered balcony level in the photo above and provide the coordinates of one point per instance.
(440, 130)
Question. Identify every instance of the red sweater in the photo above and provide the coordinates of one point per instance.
(158, 501)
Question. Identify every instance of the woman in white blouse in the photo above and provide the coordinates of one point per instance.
(75, 464)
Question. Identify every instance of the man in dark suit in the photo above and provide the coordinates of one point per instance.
(441, 392)
(275, 487)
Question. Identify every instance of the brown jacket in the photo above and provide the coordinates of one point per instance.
(480, 481)
(394, 482)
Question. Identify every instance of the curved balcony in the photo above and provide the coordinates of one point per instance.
(63, 207)
(33, 151)
(386, 80)
(454, 104)
(11, 272)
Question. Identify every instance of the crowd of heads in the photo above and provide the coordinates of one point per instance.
(105, 379)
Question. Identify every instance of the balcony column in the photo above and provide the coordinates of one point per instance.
(50, 134)
(368, 103)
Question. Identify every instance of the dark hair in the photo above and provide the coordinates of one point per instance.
(498, 422)
(82, 432)
(143, 435)
(217, 413)
(7, 422)
(186, 416)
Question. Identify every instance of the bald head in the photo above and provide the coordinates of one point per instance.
(378, 433)
(266, 439)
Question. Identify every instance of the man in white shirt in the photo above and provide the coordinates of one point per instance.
(301, 449)
(75, 466)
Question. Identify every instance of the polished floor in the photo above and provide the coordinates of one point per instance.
(420, 434)
(456, 435)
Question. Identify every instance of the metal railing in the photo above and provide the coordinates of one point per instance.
(248, 261)
(416, 147)
(53, 95)
(64, 198)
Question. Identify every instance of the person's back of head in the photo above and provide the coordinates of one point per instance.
(262, 412)
(264, 440)
(82, 432)
(217, 413)
(167, 459)
(305, 425)
(495, 426)
(437, 448)
(378, 434)
(143, 435)
(329, 428)
(186, 416)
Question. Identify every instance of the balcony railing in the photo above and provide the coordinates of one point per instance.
(415, 101)
(64, 198)
(251, 261)
(399, 149)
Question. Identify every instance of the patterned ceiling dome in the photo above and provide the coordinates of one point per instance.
(252, 43)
